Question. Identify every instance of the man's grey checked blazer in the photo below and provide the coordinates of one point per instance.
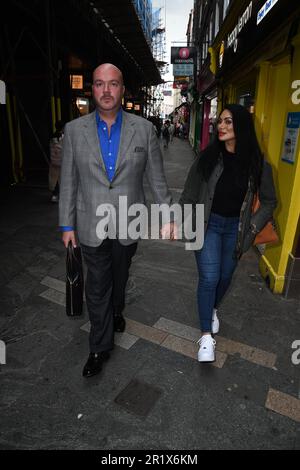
(84, 184)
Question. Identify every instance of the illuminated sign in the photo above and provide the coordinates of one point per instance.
(265, 10)
(76, 82)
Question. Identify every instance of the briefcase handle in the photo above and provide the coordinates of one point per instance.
(72, 258)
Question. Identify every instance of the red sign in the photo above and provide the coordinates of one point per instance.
(183, 55)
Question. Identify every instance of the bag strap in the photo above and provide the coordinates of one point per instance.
(256, 203)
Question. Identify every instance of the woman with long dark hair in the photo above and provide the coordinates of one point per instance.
(225, 178)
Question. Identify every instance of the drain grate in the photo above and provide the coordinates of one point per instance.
(138, 397)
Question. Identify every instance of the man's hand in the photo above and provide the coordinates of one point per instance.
(69, 236)
(169, 231)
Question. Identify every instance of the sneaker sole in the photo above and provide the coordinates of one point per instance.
(207, 360)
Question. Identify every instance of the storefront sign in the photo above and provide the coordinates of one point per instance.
(291, 138)
(183, 69)
(232, 39)
(183, 55)
(265, 10)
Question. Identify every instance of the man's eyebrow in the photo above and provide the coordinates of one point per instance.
(112, 80)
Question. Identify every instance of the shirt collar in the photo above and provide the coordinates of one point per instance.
(118, 120)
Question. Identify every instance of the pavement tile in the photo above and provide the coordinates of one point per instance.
(144, 331)
(54, 283)
(283, 404)
(124, 340)
(178, 329)
(189, 349)
(54, 296)
(258, 356)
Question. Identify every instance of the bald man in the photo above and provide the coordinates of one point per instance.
(106, 155)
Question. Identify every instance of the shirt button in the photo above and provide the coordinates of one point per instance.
(109, 154)
(104, 128)
(110, 167)
(109, 141)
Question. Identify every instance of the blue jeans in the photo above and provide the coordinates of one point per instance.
(216, 263)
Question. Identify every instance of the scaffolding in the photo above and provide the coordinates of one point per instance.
(159, 40)
(144, 12)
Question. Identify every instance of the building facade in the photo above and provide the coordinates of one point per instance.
(249, 53)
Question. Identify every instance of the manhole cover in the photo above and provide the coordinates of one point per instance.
(138, 397)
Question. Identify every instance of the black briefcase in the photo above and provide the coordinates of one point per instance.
(74, 281)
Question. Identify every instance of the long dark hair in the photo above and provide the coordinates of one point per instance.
(247, 149)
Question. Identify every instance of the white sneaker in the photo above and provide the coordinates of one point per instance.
(207, 347)
(215, 324)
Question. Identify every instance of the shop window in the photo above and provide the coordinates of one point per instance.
(245, 93)
(83, 105)
(247, 100)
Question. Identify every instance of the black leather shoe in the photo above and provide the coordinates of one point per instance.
(119, 323)
(94, 363)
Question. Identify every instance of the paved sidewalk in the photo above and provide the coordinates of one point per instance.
(152, 393)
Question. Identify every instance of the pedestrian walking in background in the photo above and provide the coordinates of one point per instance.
(106, 155)
(225, 178)
(171, 131)
(166, 134)
(56, 142)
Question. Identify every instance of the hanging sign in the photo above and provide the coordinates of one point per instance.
(183, 55)
(183, 69)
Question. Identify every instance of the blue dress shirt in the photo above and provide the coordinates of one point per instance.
(109, 145)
